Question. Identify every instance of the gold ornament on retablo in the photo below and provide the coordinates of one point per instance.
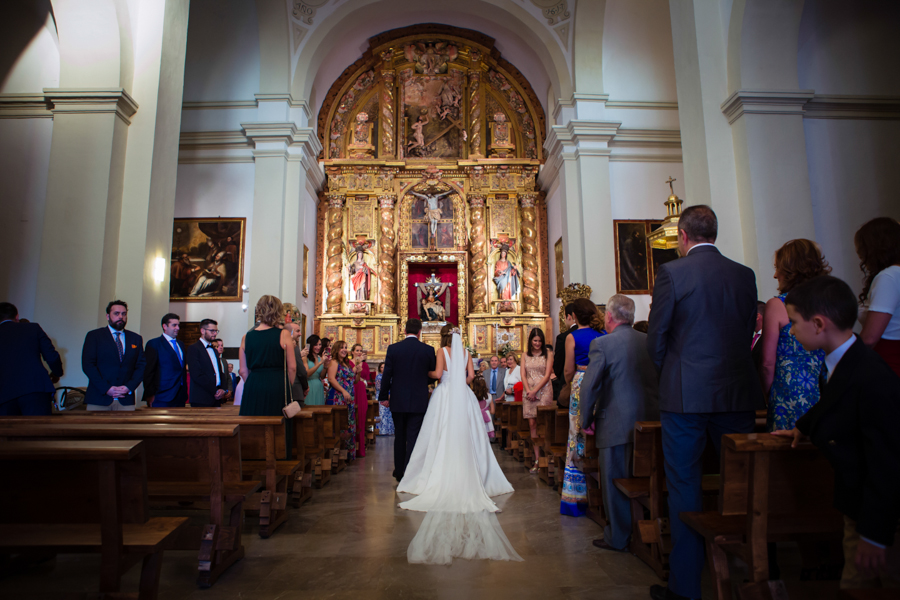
(568, 294)
(666, 237)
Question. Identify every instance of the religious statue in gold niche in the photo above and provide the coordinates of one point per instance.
(506, 274)
(434, 208)
(501, 142)
(361, 144)
(360, 273)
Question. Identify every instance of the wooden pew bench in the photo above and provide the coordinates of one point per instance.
(185, 464)
(103, 485)
(335, 421)
(264, 440)
(371, 415)
(553, 434)
(769, 492)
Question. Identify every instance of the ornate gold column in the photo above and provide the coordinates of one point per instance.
(475, 114)
(387, 262)
(530, 286)
(479, 258)
(387, 106)
(333, 279)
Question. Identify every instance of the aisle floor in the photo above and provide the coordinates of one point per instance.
(350, 540)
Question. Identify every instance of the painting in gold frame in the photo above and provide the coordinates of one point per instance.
(305, 273)
(636, 262)
(207, 260)
(303, 328)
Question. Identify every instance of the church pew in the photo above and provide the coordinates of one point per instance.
(502, 409)
(519, 431)
(590, 466)
(104, 485)
(552, 445)
(263, 441)
(185, 463)
(335, 422)
(769, 492)
(371, 415)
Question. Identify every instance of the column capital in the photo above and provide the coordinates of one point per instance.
(92, 100)
(386, 201)
(766, 102)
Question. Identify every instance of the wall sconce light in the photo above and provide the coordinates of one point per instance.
(159, 269)
(245, 288)
(244, 307)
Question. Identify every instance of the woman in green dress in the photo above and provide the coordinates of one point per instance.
(264, 361)
(314, 369)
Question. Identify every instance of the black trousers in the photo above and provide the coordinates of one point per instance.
(406, 432)
(34, 404)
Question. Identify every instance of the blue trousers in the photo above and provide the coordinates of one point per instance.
(684, 439)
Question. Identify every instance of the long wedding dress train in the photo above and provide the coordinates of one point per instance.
(454, 473)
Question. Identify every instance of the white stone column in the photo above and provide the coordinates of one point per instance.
(285, 158)
(588, 239)
(80, 239)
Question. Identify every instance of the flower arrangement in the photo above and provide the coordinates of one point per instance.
(505, 350)
(471, 350)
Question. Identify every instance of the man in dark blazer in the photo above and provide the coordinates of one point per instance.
(619, 387)
(208, 385)
(113, 360)
(404, 389)
(559, 350)
(164, 378)
(493, 377)
(25, 386)
(701, 327)
(854, 424)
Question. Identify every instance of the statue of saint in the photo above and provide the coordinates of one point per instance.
(433, 308)
(360, 275)
(433, 207)
(506, 276)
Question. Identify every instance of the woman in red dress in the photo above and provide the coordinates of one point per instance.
(361, 373)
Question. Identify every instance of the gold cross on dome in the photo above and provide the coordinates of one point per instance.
(669, 181)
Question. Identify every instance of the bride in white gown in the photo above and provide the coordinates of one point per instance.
(454, 472)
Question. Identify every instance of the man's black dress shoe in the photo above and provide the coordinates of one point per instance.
(661, 592)
(605, 546)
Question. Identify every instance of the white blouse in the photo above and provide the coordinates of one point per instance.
(512, 377)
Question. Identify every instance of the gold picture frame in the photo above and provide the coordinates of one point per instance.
(636, 262)
(207, 260)
(305, 275)
(303, 328)
(560, 270)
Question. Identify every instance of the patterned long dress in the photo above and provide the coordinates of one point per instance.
(795, 388)
(345, 377)
(574, 495)
(386, 420)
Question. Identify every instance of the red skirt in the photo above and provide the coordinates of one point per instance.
(890, 352)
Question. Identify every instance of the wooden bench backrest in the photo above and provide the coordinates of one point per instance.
(801, 479)
(64, 488)
(174, 452)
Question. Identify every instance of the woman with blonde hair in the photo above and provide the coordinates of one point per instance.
(789, 373)
(268, 365)
(341, 377)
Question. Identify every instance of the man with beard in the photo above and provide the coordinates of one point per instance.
(113, 360)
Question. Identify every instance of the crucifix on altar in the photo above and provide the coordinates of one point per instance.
(428, 298)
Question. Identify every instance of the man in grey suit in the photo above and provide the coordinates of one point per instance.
(701, 328)
(619, 387)
(493, 376)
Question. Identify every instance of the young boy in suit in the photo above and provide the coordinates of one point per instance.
(855, 424)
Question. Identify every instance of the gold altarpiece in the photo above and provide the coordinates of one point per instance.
(432, 145)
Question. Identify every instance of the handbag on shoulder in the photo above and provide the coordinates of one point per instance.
(291, 408)
(564, 394)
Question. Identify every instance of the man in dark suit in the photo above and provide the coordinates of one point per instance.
(25, 386)
(493, 376)
(854, 425)
(756, 347)
(227, 382)
(164, 378)
(405, 383)
(619, 387)
(208, 385)
(701, 327)
(559, 354)
(113, 360)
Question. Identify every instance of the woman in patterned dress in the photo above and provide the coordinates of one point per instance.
(386, 421)
(578, 343)
(537, 364)
(341, 377)
(790, 374)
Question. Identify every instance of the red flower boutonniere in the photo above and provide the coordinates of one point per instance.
(133, 346)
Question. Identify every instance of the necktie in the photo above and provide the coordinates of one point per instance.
(177, 352)
(119, 345)
(823, 376)
(494, 381)
(755, 337)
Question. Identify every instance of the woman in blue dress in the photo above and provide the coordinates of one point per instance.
(790, 374)
(386, 421)
(578, 343)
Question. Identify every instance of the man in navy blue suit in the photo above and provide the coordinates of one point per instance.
(701, 328)
(404, 389)
(25, 386)
(164, 377)
(113, 360)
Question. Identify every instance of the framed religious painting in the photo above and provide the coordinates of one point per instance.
(305, 271)
(303, 328)
(207, 260)
(560, 270)
(636, 262)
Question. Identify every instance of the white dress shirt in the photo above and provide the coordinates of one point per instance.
(214, 358)
(832, 360)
